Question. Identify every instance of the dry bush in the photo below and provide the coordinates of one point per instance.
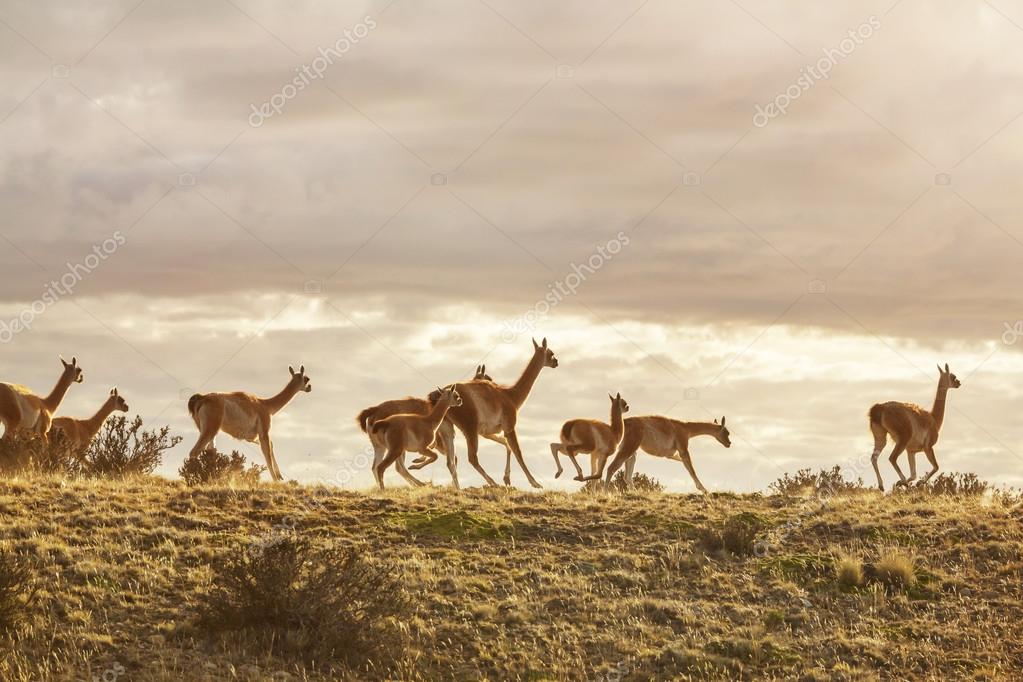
(320, 605)
(25, 452)
(640, 483)
(958, 484)
(738, 534)
(824, 482)
(17, 589)
(895, 568)
(123, 449)
(211, 467)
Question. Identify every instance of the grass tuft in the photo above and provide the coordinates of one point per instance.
(896, 568)
(849, 571)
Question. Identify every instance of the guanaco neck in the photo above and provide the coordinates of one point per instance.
(437, 413)
(93, 423)
(938, 411)
(276, 403)
(520, 390)
(617, 421)
(52, 401)
(701, 428)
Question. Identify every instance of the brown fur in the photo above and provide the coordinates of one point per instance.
(244, 416)
(22, 410)
(445, 441)
(663, 437)
(80, 432)
(913, 429)
(593, 437)
(402, 433)
(489, 409)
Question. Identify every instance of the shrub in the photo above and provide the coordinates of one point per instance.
(640, 483)
(25, 452)
(895, 568)
(738, 534)
(17, 589)
(123, 449)
(210, 467)
(958, 484)
(824, 482)
(318, 604)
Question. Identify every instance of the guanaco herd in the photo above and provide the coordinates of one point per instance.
(478, 408)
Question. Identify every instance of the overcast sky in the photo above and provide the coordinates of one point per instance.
(387, 191)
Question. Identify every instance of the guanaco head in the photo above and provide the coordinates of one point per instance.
(548, 355)
(448, 396)
(619, 401)
(300, 380)
(948, 380)
(722, 433)
(117, 400)
(481, 374)
(72, 371)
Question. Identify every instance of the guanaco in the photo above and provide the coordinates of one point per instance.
(489, 409)
(445, 434)
(80, 432)
(481, 375)
(403, 433)
(913, 429)
(445, 441)
(600, 440)
(663, 437)
(244, 416)
(23, 410)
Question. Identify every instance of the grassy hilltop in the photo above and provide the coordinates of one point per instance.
(503, 584)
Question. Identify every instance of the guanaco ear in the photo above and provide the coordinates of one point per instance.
(715, 421)
(947, 370)
(544, 344)
(483, 369)
(61, 358)
(535, 346)
(619, 396)
(292, 370)
(722, 421)
(113, 391)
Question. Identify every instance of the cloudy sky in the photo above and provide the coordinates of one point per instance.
(387, 191)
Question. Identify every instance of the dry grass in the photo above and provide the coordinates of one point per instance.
(849, 571)
(896, 568)
(510, 585)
